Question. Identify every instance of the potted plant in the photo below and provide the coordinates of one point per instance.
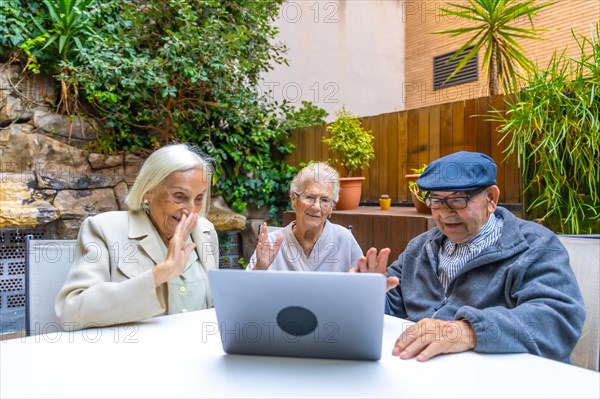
(415, 192)
(354, 147)
(385, 202)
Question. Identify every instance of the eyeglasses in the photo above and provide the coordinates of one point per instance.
(454, 203)
(309, 199)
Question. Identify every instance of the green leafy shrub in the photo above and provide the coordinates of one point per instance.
(350, 141)
(17, 24)
(189, 71)
(158, 71)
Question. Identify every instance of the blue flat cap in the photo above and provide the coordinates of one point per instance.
(461, 171)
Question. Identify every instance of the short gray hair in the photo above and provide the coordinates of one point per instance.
(164, 161)
(319, 172)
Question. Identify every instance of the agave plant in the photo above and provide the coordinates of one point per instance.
(494, 32)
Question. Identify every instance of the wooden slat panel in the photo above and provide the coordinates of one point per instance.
(512, 175)
(402, 158)
(312, 146)
(322, 153)
(392, 159)
(434, 133)
(371, 184)
(381, 233)
(445, 129)
(413, 146)
(470, 125)
(345, 220)
(382, 160)
(364, 232)
(414, 227)
(498, 104)
(484, 139)
(423, 137)
(458, 126)
(397, 239)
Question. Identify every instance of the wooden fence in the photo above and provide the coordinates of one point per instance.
(408, 139)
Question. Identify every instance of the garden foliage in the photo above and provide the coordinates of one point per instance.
(159, 71)
(554, 127)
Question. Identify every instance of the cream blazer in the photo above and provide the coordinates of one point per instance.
(111, 279)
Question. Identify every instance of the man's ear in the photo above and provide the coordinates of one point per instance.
(493, 195)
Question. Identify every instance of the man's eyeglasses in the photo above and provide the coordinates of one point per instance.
(454, 203)
(309, 199)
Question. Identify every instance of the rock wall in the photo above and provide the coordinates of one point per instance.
(47, 178)
(45, 181)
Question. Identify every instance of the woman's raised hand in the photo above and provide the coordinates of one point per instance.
(178, 251)
(265, 251)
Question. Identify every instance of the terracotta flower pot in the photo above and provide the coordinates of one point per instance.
(350, 192)
(420, 206)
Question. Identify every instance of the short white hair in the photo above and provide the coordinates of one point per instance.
(318, 172)
(165, 161)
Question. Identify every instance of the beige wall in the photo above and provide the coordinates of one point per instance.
(422, 18)
(341, 52)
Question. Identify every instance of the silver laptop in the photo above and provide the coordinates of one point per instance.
(304, 314)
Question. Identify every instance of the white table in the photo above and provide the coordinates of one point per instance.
(181, 356)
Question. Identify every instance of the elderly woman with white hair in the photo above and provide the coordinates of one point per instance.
(150, 260)
(311, 242)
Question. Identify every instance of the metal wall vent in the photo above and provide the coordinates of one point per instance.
(442, 69)
(12, 277)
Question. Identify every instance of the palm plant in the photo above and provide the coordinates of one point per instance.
(494, 32)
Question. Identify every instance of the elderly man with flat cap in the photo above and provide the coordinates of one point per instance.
(483, 279)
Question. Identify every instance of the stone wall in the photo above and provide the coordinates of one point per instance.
(47, 177)
(45, 181)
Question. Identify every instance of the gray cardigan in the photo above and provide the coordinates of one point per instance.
(519, 295)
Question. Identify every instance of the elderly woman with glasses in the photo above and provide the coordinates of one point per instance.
(311, 242)
(152, 259)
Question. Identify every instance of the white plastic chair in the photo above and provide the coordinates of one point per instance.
(584, 252)
(47, 265)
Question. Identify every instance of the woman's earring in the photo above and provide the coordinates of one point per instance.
(146, 206)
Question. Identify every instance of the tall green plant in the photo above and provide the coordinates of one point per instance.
(554, 127)
(493, 31)
(70, 27)
(61, 38)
